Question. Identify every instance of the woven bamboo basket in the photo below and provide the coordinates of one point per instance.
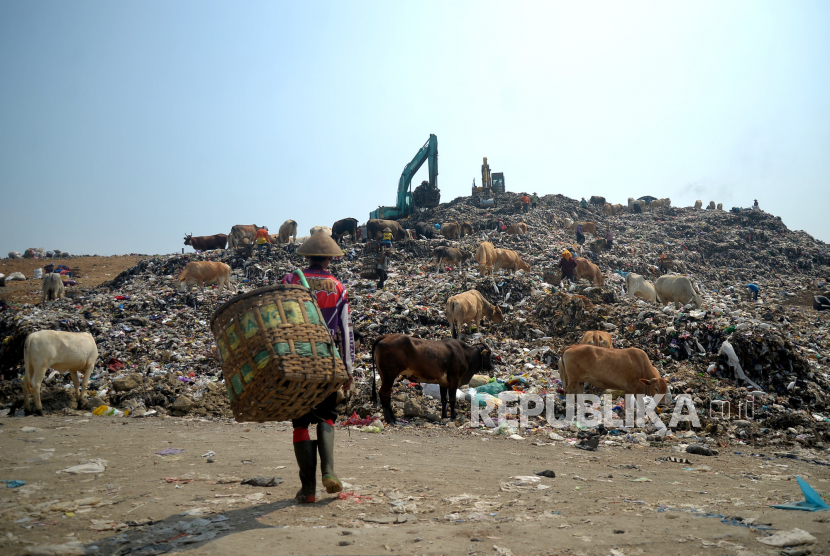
(369, 267)
(552, 275)
(278, 357)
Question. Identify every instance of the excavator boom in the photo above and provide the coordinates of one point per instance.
(428, 153)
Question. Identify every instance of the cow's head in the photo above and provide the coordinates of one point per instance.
(524, 266)
(486, 357)
(498, 316)
(658, 386)
(188, 238)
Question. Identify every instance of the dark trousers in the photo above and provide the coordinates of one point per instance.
(382, 276)
(524, 207)
(534, 205)
(319, 414)
(754, 296)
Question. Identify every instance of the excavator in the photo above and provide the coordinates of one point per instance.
(490, 184)
(429, 194)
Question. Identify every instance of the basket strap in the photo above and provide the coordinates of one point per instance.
(301, 276)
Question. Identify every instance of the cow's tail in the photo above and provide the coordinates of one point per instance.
(453, 325)
(374, 370)
(563, 376)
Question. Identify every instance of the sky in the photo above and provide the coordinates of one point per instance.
(126, 125)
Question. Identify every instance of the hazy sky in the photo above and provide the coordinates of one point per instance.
(124, 125)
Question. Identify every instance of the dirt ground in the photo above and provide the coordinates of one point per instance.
(433, 490)
(89, 272)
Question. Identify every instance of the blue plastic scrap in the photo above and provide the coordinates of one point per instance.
(13, 483)
(812, 501)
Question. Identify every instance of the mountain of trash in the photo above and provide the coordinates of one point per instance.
(157, 354)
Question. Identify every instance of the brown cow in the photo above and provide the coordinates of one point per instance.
(517, 229)
(485, 257)
(587, 227)
(470, 306)
(206, 243)
(587, 269)
(617, 369)
(343, 227)
(375, 226)
(448, 363)
(607, 210)
(597, 338)
(205, 272)
(450, 230)
(240, 232)
(509, 260)
(466, 229)
(451, 256)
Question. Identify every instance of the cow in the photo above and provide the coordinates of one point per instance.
(204, 272)
(698, 204)
(587, 269)
(206, 243)
(467, 307)
(448, 363)
(75, 352)
(451, 230)
(659, 203)
(52, 287)
(466, 229)
(597, 200)
(424, 230)
(597, 338)
(635, 205)
(240, 232)
(287, 229)
(711, 205)
(509, 260)
(627, 369)
(375, 226)
(607, 210)
(316, 229)
(485, 257)
(587, 227)
(720, 206)
(678, 289)
(342, 227)
(636, 285)
(451, 256)
(517, 229)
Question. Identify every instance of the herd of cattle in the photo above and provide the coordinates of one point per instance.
(450, 363)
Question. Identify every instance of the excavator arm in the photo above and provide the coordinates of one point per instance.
(428, 153)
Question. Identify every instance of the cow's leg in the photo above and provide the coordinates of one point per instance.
(386, 400)
(38, 381)
(27, 386)
(443, 402)
(77, 383)
(453, 390)
(87, 374)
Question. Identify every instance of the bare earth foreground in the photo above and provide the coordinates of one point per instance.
(418, 491)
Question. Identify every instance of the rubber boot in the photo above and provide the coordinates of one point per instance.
(306, 454)
(325, 443)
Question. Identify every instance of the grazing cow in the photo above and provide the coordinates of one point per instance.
(597, 200)
(205, 272)
(587, 269)
(63, 351)
(678, 289)
(659, 203)
(597, 338)
(509, 260)
(451, 256)
(451, 230)
(711, 205)
(485, 257)
(287, 229)
(587, 227)
(616, 208)
(466, 229)
(316, 229)
(627, 369)
(636, 285)
(52, 287)
(467, 307)
(720, 206)
(241, 232)
(447, 363)
(698, 204)
(424, 230)
(343, 227)
(206, 243)
(607, 210)
(375, 226)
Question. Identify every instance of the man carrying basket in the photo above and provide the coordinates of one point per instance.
(334, 305)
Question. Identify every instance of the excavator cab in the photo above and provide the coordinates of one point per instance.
(498, 182)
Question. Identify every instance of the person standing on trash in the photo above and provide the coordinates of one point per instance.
(383, 266)
(534, 200)
(661, 262)
(386, 241)
(525, 202)
(334, 306)
(262, 239)
(584, 203)
(580, 236)
(609, 239)
(568, 265)
(755, 206)
(754, 289)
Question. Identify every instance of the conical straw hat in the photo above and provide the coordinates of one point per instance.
(320, 245)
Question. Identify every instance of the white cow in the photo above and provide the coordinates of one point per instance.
(316, 229)
(678, 289)
(63, 351)
(53, 287)
(636, 285)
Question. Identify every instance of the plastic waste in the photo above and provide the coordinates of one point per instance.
(812, 500)
(105, 410)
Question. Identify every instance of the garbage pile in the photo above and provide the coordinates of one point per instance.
(39, 253)
(158, 355)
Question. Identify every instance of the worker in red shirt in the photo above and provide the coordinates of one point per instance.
(262, 239)
(525, 202)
